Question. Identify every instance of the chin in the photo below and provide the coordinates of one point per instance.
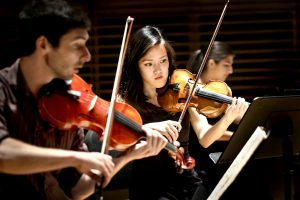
(67, 77)
(160, 85)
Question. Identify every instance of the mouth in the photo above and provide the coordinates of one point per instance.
(158, 77)
(76, 70)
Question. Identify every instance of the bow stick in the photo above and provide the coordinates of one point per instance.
(110, 117)
(202, 64)
(111, 109)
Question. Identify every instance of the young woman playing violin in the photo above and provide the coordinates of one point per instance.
(148, 66)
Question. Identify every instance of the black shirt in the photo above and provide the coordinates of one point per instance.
(157, 176)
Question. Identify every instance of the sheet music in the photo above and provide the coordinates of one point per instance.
(239, 162)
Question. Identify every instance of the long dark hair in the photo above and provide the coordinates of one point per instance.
(140, 43)
(219, 51)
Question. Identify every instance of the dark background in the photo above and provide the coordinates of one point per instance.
(264, 34)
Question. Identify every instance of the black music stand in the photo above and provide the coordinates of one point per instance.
(280, 118)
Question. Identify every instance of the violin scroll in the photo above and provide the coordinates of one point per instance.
(181, 161)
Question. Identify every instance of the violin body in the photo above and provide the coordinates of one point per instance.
(207, 104)
(210, 99)
(78, 106)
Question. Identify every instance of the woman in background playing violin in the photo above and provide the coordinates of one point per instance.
(149, 63)
(218, 68)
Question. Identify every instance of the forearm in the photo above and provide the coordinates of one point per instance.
(121, 161)
(206, 133)
(150, 146)
(84, 188)
(216, 132)
(226, 136)
(17, 157)
(86, 185)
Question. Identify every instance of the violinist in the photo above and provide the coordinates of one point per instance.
(218, 67)
(148, 65)
(39, 161)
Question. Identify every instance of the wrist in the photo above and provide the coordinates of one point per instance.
(125, 156)
(226, 120)
(74, 159)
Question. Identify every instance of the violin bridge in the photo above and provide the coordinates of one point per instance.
(75, 94)
(93, 102)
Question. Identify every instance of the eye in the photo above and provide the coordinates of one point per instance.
(164, 60)
(77, 46)
(149, 64)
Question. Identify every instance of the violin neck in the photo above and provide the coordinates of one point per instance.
(171, 147)
(122, 119)
(119, 117)
(200, 92)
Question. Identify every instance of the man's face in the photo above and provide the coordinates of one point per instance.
(70, 55)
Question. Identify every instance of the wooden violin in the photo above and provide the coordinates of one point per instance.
(210, 99)
(72, 104)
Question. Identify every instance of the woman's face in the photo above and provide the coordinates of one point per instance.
(154, 67)
(220, 71)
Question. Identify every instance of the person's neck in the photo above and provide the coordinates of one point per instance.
(204, 78)
(34, 72)
(152, 96)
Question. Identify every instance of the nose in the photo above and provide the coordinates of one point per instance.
(86, 55)
(230, 70)
(157, 68)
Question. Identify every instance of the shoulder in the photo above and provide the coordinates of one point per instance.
(8, 81)
(4, 84)
(9, 75)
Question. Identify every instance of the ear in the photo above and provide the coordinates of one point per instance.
(42, 44)
(211, 64)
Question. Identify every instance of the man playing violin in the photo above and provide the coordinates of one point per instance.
(37, 160)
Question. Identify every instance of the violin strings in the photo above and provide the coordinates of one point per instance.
(121, 118)
(127, 121)
(217, 97)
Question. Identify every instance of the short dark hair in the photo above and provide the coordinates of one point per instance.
(50, 18)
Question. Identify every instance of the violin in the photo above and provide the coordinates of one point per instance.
(72, 104)
(210, 99)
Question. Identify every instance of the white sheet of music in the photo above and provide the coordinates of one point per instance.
(238, 163)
